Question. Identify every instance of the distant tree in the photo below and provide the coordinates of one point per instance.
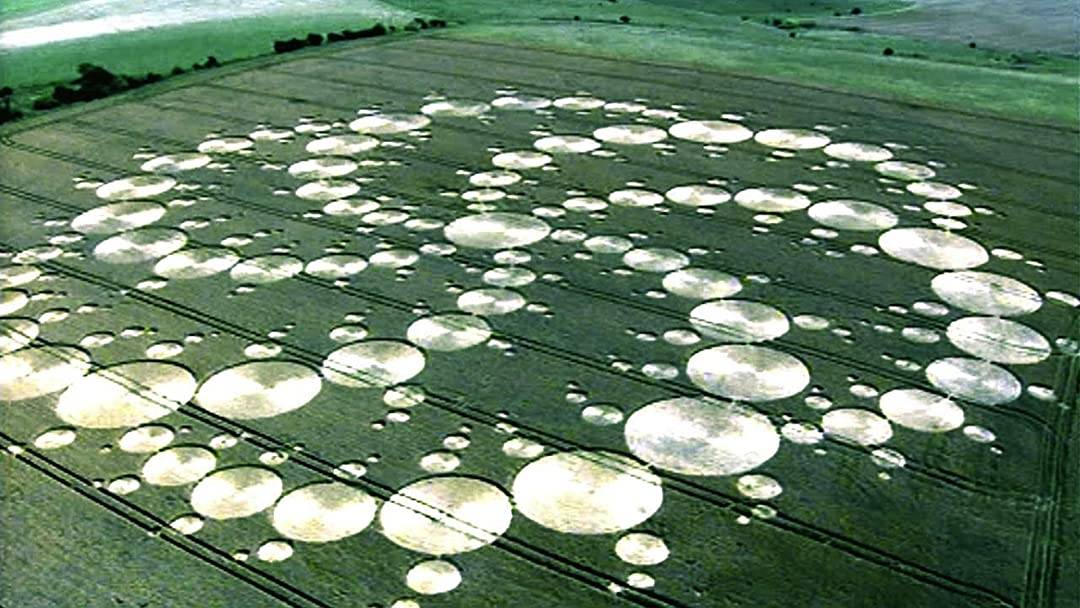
(888, 52)
(65, 94)
(5, 94)
(314, 39)
(624, 19)
(45, 103)
(856, 11)
(376, 30)
(972, 44)
(177, 71)
(212, 62)
(96, 78)
(287, 46)
(577, 17)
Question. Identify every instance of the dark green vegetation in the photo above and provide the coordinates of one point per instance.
(295, 44)
(960, 526)
(95, 82)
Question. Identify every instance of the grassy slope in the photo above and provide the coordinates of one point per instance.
(10, 9)
(33, 71)
(161, 49)
(856, 66)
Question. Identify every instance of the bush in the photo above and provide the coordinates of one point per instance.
(177, 71)
(376, 30)
(888, 52)
(972, 45)
(856, 11)
(420, 23)
(212, 62)
(7, 115)
(65, 94)
(288, 46)
(437, 23)
(96, 78)
(314, 39)
(624, 19)
(45, 103)
(577, 17)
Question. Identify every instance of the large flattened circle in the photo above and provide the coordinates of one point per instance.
(747, 373)
(259, 389)
(236, 492)
(697, 437)
(739, 321)
(126, 395)
(977, 381)
(933, 248)
(373, 364)
(998, 340)
(587, 492)
(496, 231)
(446, 515)
(43, 370)
(118, 217)
(986, 293)
(323, 512)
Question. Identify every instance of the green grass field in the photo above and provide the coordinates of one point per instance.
(923, 73)
(11, 9)
(727, 35)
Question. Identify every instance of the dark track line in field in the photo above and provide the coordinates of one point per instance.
(651, 309)
(150, 523)
(693, 70)
(663, 312)
(822, 536)
(1045, 546)
(571, 117)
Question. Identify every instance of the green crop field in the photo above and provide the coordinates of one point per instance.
(681, 312)
(433, 322)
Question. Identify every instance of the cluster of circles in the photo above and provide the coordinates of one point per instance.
(574, 492)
